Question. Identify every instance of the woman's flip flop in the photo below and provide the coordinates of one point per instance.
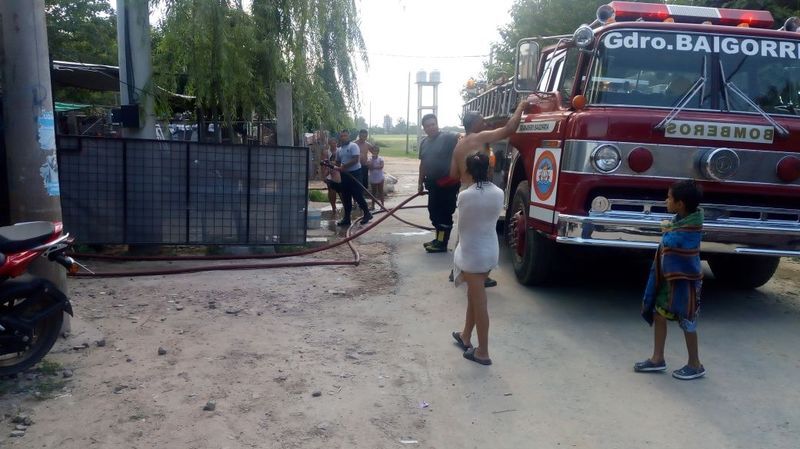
(457, 336)
(469, 354)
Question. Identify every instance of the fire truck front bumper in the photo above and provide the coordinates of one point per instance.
(636, 230)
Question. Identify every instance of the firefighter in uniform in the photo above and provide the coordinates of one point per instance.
(435, 154)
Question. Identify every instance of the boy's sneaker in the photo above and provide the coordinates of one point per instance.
(427, 244)
(648, 366)
(366, 218)
(689, 373)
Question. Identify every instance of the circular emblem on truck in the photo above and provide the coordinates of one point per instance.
(720, 164)
(544, 176)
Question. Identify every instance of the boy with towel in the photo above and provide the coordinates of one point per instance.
(676, 277)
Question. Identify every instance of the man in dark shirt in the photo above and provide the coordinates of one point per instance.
(435, 154)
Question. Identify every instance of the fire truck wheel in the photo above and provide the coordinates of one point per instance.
(743, 271)
(532, 255)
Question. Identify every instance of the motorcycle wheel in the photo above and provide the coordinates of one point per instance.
(45, 334)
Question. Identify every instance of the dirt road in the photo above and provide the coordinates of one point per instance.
(361, 357)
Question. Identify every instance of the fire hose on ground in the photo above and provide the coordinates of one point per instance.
(255, 266)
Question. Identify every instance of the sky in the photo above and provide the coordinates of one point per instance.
(402, 36)
(405, 36)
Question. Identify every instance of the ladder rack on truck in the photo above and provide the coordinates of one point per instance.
(496, 103)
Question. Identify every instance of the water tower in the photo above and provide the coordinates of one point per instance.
(425, 80)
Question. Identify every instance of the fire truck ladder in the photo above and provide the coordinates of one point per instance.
(496, 103)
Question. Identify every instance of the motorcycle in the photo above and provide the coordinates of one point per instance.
(31, 308)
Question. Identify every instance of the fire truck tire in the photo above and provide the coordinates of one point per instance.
(743, 271)
(534, 265)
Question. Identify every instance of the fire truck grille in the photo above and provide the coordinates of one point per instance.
(715, 205)
(713, 211)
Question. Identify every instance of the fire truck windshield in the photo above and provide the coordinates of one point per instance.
(656, 69)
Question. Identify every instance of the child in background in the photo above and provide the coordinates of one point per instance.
(376, 175)
(676, 277)
(333, 178)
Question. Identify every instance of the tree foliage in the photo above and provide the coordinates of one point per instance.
(82, 31)
(530, 18)
(232, 60)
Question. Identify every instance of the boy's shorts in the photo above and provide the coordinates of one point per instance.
(662, 302)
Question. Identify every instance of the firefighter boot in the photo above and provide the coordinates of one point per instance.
(428, 244)
(440, 244)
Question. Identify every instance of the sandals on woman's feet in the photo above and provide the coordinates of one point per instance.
(469, 354)
(457, 336)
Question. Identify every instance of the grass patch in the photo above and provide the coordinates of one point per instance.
(47, 387)
(317, 196)
(49, 368)
(282, 249)
(394, 145)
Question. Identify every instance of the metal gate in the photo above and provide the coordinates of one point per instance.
(132, 191)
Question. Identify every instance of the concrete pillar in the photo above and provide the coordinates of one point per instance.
(285, 125)
(29, 123)
(136, 87)
(135, 66)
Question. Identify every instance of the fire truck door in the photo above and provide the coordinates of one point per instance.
(545, 132)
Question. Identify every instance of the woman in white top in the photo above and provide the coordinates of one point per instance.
(477, 253)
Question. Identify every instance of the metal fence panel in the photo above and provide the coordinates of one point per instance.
(128, 191)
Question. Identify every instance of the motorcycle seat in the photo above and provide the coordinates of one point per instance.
(24, 236)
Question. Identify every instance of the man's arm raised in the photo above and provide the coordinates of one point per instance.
(494, 135)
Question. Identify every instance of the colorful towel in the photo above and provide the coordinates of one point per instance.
(677, 263)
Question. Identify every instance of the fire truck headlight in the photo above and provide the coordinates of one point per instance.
(606, 158)
(583, 37)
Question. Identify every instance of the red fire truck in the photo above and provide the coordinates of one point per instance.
(646, 95)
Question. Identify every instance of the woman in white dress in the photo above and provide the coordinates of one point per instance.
(477, 253)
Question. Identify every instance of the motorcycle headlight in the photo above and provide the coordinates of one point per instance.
(606, 158)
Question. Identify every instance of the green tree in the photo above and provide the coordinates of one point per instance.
(82, 31)
(530, 18)
(232, 60)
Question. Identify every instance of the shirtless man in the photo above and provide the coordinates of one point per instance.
(477, 139)
(365, 148)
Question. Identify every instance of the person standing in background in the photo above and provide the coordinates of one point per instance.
(333, 179)
(348, 155)
(435, 154)
(376, 176)
(364, 148)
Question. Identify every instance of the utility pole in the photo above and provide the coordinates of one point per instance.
(135, 66)
(29, 123)
(408, 108)
(139, 122)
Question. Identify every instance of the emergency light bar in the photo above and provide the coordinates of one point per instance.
(626, 11)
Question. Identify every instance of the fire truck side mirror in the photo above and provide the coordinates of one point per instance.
(526, 76)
